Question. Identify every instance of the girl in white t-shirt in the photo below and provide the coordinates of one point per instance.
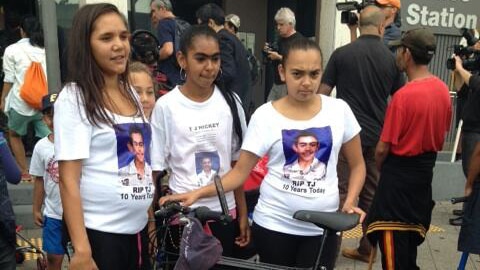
(275, 129)
(95, 114)
(200, 121)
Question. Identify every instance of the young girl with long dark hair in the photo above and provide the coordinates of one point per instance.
(198, 129)
(105, 206)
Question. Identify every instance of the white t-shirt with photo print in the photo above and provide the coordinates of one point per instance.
(183, 130)
(108, 205)
(281, 197)
(43, 164)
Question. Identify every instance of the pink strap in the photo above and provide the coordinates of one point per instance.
(139, 246)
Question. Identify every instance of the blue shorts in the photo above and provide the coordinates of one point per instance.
(52, 236)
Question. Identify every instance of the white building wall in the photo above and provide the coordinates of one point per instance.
(332, 34)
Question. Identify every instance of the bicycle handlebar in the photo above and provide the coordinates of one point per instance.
(202, 213)
(171, 208)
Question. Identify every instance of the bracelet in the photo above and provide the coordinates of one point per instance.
(151, 220)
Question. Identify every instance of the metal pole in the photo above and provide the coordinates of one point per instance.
(49, 21)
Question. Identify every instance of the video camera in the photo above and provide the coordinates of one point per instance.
(470, 56)
(349, 17)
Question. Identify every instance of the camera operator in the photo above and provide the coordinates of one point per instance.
(468, 240)
(471, 111)
(391, 10)
(285, 21)
(468, 42)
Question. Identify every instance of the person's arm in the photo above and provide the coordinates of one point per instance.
(274, 56)
(5, 90)
(324, 89)
(73, 214)
(38, 197)
(10, 167)
(230, 181)
(329, 76)
(352, 150)
(381, 152)
(473, 170)
(353, 31)
(242, 215)
(166, 50)
(462, 72)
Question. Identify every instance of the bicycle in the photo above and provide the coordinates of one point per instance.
(331, 222)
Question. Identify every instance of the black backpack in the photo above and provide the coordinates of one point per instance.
(254, 66)
(180, 27)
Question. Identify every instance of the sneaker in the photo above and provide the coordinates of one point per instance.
(457, 212)
(352, 253)
(456, 221)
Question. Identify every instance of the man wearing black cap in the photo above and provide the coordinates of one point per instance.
(365, 74)
(416, 121)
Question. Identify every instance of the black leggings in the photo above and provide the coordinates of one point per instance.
(293, 250)
(114, 251)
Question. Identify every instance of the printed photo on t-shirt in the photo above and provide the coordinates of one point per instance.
(133, 153)
(52, 170)
(207, 164)
(306, 158)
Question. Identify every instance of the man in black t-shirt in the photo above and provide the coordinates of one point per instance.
(285, 20)
(365, 74)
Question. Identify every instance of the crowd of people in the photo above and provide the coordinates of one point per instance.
(106, 137)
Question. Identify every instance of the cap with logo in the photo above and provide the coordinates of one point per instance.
(393, 3)
(48, 100)
(420, 41)
(234, 19)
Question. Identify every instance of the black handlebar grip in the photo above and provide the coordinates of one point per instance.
(169, 209)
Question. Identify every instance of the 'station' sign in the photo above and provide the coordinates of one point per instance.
(441, 16)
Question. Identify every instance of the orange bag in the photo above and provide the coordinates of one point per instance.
(34, 86)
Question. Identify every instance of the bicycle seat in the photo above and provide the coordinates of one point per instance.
(333, 221)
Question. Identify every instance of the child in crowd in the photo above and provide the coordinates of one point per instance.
(11, 173)
(198, 127)
(325, 126)
(44, 170)
(140, 78)
(100, 129)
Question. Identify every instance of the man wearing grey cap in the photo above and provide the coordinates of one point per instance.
(416, 122)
